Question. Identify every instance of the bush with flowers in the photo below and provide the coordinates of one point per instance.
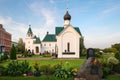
(74, 71)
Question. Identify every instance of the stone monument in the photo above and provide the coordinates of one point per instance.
(91, 69)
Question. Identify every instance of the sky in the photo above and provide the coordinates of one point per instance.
(98, 20)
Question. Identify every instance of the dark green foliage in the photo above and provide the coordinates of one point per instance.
(25, 68)
(2, 70)
(61, 72)
(47, 69)
(13, 52)
(37, 70)
(116, 46)
(82, 47)
(117, 56)
(14, 69)
(106, 70)
(17, 69)
(98, 54)
(110, 50)
(116, 68)
(3, 57)
(25, 54)
(46, 54)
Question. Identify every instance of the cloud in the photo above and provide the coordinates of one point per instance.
(45, 13)
(48, 15)
(18, 30)
(110, 10)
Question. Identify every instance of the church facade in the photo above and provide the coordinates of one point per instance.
(65, 42)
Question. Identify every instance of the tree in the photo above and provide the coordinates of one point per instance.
(25, 54)
(82, 47)
(21, 46)
(13, 53)
(109, 50)
(116, 46)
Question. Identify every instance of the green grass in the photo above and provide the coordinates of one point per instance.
(113, 77)
(110, 77)
(34, 78)
(66, 63)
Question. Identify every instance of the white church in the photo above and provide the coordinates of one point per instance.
(65, 42)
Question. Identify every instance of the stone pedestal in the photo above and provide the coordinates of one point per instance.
(90, 70)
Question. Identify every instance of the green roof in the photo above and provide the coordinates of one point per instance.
(59, 29)
(37, 40)
(49, 38)
(78, 30)
(29, 31)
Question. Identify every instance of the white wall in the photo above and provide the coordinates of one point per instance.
(48, 46)
(30, 46)
(68, 35)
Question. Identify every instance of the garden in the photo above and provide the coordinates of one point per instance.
(14, 68)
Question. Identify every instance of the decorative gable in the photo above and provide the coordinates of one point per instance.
(58, 30)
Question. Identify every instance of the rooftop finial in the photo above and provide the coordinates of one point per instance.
(29, 25)
(67, 5)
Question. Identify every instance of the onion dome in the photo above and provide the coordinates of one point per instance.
(67, 16)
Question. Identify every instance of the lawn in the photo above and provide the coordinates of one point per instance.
(75, 63)
(34, 78)
(110, 77)
(113, 77)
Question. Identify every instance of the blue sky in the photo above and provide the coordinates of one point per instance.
(98, 20)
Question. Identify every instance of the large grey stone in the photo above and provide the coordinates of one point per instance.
(90, 70)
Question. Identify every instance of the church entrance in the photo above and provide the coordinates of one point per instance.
(37, 49)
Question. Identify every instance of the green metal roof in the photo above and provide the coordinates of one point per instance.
(78, 30)
(59, 29)
(29, 31)
(37, 40)
(49, 38)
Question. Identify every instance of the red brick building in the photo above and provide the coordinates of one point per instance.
(5, 40)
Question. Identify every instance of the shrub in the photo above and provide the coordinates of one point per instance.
(2, 70)
(37, 70)
(25, 68)
(25, 53)
(112, 60)
(98, 54)
(13, 52)
(17, 69)
(47, 69)
(117, 55)
(116, 68)
(14, 69)
(74, 71)
(3, 56)
(46, 54)
(61, 72)
(106, 70)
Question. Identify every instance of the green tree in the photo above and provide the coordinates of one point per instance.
(20, 46)
(25, 54)
(117, 55)
(106, 50)
(13, 53)
(82, 47)
(116, 46)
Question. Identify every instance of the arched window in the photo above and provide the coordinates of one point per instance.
(68, 47)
